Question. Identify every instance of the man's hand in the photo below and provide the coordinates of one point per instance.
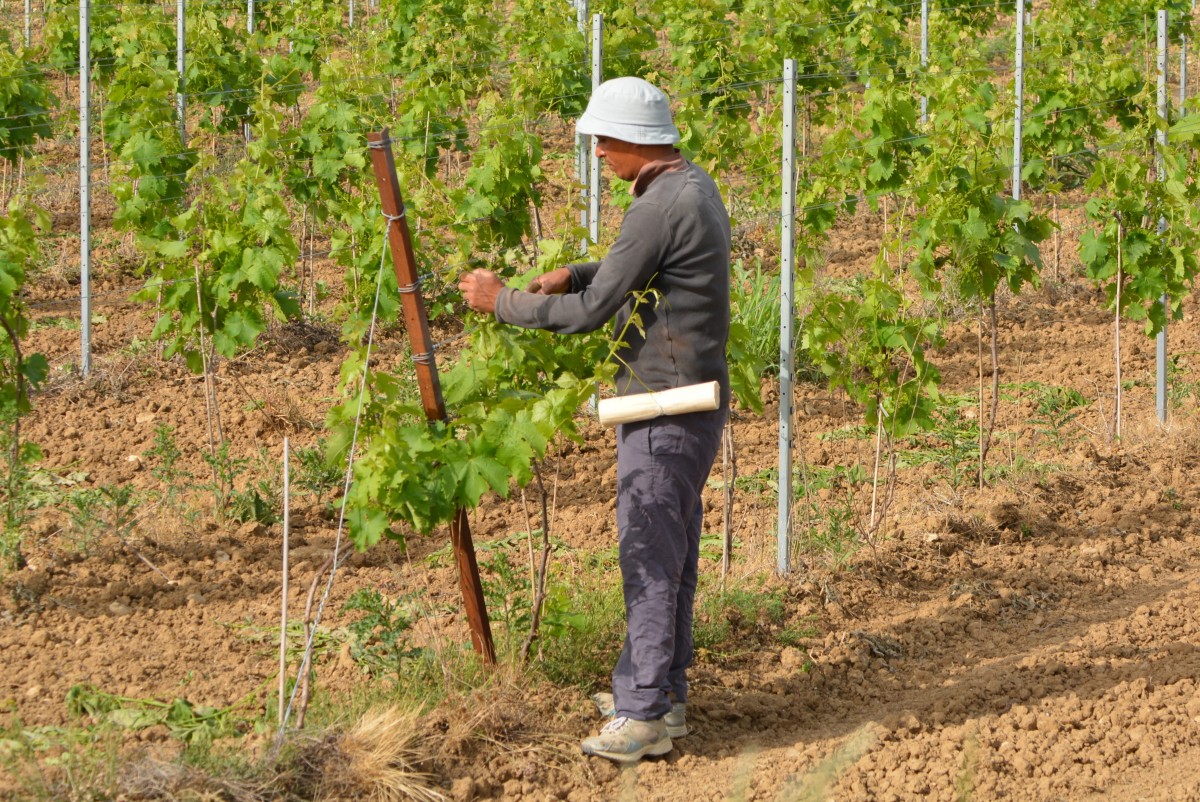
(479, 289)
(556, 282)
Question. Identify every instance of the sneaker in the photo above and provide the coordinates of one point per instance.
(626, 740)
(676, 720)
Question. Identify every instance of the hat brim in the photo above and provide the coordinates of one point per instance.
(591, 125)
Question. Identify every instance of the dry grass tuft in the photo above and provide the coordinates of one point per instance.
(121, 374)
(375, 761)
(153, 780)
(297, 334)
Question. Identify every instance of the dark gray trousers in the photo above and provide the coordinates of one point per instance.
(662, 466)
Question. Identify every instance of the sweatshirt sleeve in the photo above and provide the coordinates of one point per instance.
(582, 275)
(630, 265)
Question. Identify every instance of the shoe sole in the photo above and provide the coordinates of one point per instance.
(650, 750)
(677, 731)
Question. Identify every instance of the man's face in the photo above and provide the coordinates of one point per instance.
(624, 158)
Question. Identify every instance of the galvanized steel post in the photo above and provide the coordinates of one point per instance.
(924, 57)
(1160, 383)
(582, 158)
(28, 14)
(181, 67)
(594, 160)
(1183, 65)
(85, 186)
(1019, 96)
(249, 32)
(787, 272)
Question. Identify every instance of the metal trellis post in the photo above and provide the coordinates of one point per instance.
(28, 14)
(1183, 66)
(85, 186)
(249, 32)
(1019, 94)
(180, 68)
(582, 157)
(417, 324)
(786, 310)
(924, 57)
(1160, 383)
(593, 159)
(351, 21)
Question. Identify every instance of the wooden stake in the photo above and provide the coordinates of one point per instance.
(210, 391)
(1117, 330)
(979, 362)
(731, 477)
(303, 676)
(995, 368)
(417, 324)
(1057, 230)
(284, 592)
(538, 589)
(875, 473)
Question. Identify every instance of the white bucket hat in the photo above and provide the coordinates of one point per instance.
(629, 109)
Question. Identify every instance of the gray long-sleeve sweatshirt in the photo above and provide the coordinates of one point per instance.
(674, 240)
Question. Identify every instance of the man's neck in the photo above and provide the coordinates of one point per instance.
(668, 162)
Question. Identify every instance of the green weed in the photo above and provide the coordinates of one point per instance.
(510, 601)
(754, 304)
(1057, 407)
(763, 483)
(64, 323)
(53, 763)
(506, 589)
(584, 649)
(859, 431)
(258, 501)
(798, 634)
(381, 636)
(953, 443)
(19, 457)
(723, 614)
(831, 477)
(965, 780)
(1180, 389)
(225, 471)
(96, 512)
(194, 724)
(830, 534)
(164, 456)
(323, 642)
(1018, 469)
(315, 472)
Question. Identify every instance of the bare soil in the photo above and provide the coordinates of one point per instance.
(1032, 640)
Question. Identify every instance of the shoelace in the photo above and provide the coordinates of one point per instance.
(614, 725)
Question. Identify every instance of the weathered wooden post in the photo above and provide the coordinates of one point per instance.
(417, 324)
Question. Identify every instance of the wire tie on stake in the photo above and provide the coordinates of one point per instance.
(408, 289)
(391, 218)
(425, 358)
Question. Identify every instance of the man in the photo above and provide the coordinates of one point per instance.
(675, 242)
